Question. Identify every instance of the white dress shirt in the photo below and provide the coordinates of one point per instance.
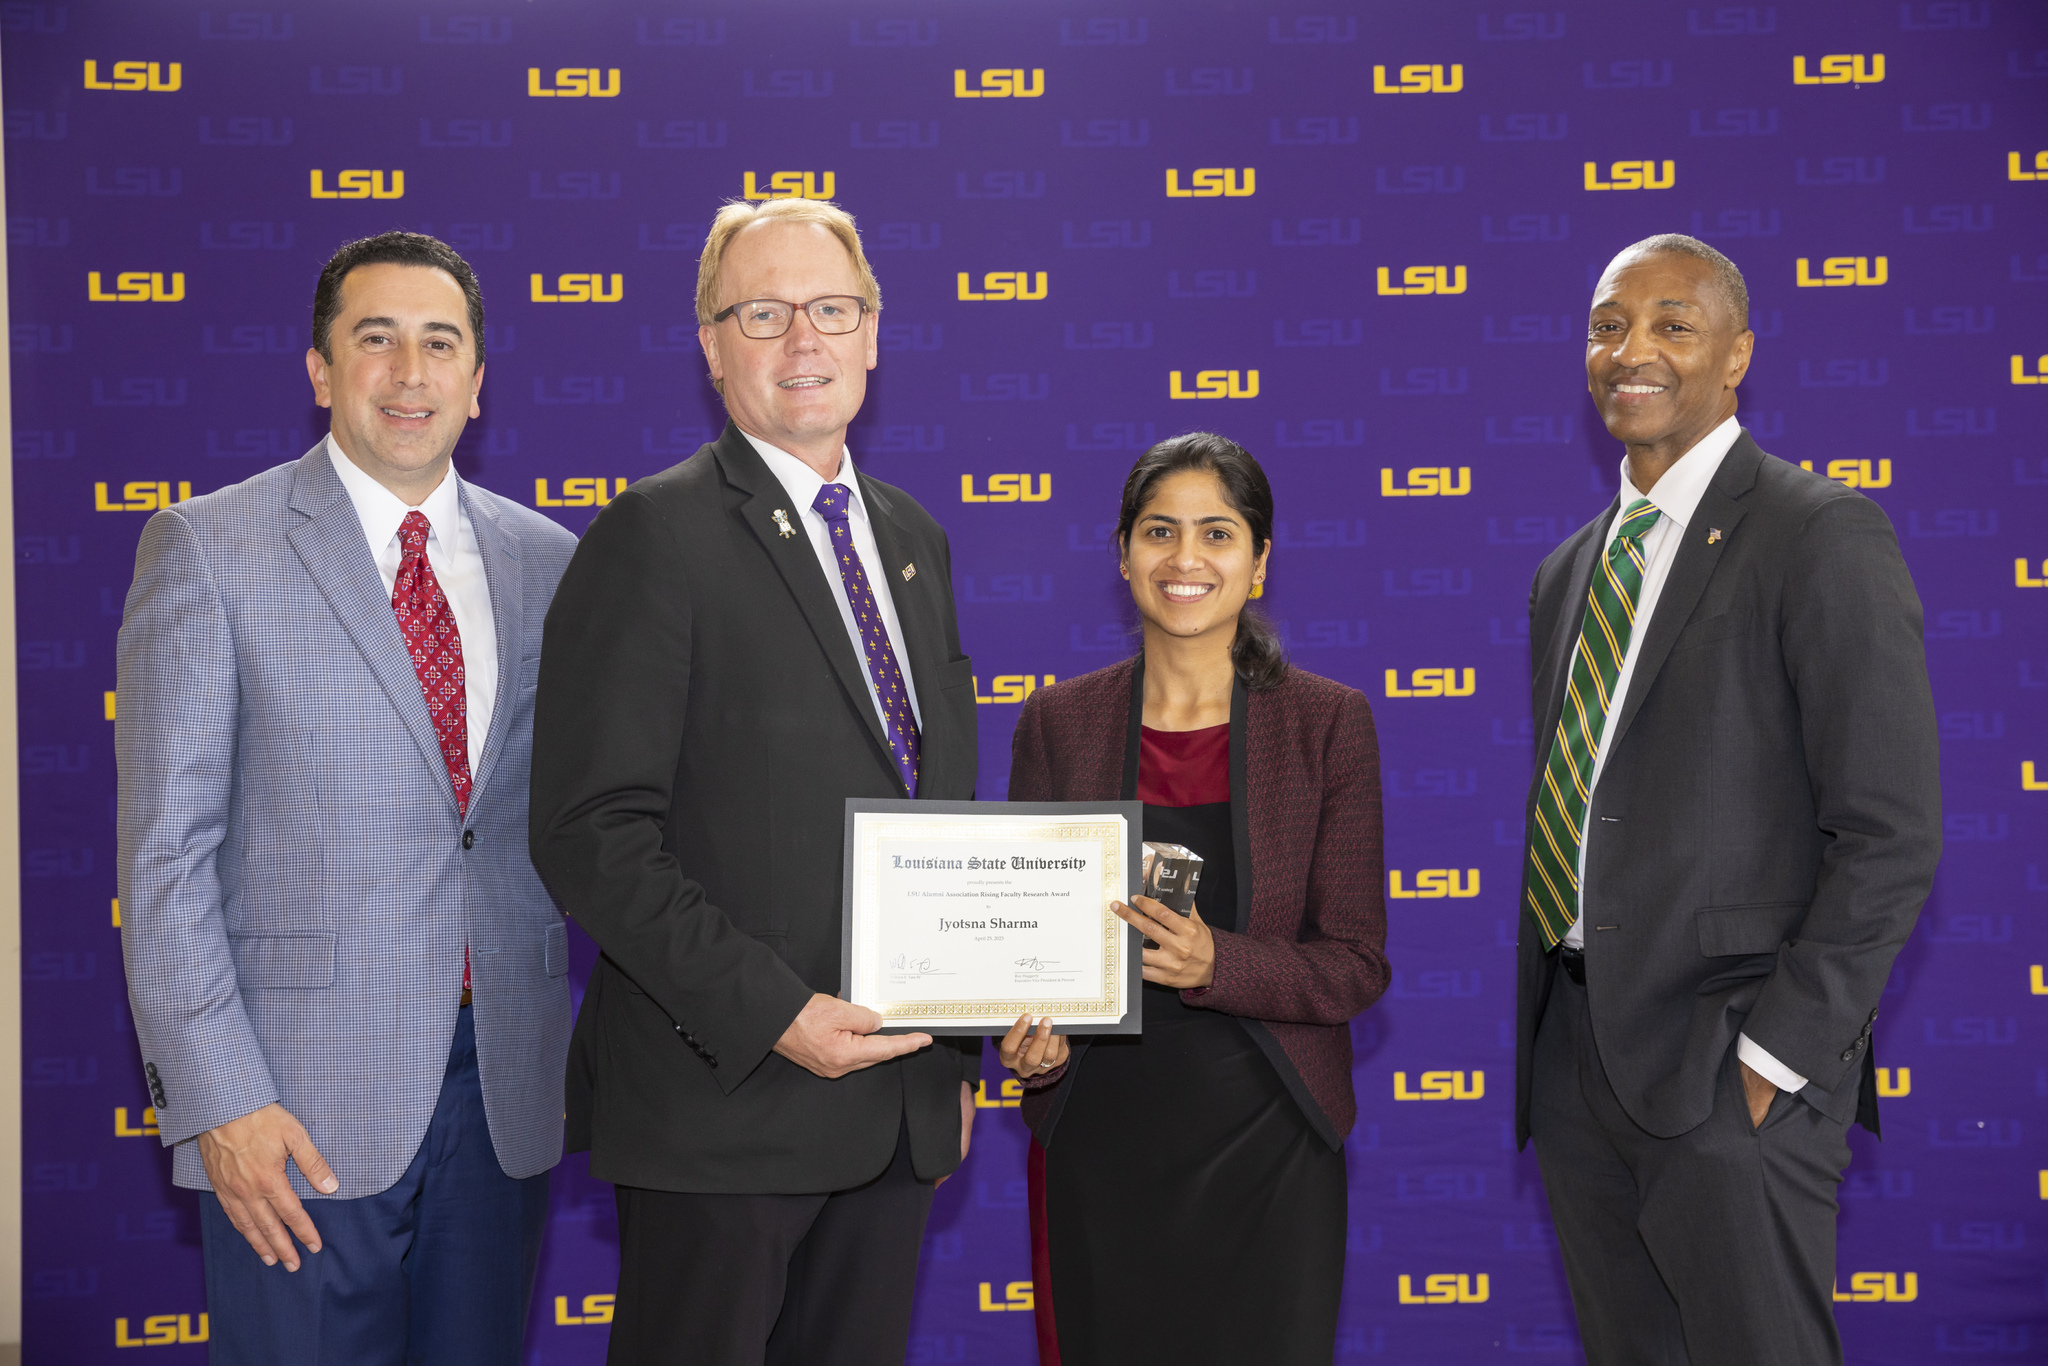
(802, 483)
(1677, 496)
(458, 565)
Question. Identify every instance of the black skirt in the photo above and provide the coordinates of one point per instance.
(1192, 1214)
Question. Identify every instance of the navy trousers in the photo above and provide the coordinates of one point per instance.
(438, 1269)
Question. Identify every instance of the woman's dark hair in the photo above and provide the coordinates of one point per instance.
(399, 249)
(1256, 653)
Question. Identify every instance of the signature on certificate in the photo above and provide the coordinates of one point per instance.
(915, 967)
(1037, 964)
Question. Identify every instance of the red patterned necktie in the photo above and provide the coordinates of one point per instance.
(833, 503)
(428, 625)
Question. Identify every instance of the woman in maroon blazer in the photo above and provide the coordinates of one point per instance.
(1188, 1192)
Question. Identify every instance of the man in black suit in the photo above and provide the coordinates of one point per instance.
(1734, 824)
(741, 643)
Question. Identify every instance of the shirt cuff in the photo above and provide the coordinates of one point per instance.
(1766, 1066)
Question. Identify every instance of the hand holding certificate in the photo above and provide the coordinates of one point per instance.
(960, 916)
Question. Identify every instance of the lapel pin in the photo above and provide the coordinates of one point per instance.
(781, 517)
(1713, 534)
(909, 572)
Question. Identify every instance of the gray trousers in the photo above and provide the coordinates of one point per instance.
(1714, 1248)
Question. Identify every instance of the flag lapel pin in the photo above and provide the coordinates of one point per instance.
(1713, 534)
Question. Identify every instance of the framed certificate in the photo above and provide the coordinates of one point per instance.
(961, 916)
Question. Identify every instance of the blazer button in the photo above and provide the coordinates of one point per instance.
(469, 839)
(1847, 1054)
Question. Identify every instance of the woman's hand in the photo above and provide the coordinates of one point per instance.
(1032, 1052)
(1186, 956)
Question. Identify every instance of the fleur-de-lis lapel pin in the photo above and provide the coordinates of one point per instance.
(909, 572)
(781, 518)
(1713, 534)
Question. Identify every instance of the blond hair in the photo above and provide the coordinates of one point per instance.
(739, 213)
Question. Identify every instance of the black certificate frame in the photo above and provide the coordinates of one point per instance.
(1133, 1021)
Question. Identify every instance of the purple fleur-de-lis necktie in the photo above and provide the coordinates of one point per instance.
(832, 503)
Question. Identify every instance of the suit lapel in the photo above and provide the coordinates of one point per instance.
(761, 495)
(337, 557)
(1564, 634)
(499, 546)
(1697, 559)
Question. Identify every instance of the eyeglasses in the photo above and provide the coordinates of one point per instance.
(767, 319)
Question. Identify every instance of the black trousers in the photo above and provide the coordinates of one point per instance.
(770, 1280)
(1713, 1248)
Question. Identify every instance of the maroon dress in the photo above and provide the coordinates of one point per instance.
(1181, 1162)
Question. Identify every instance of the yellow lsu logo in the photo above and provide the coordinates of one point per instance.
(1001, 286)
(574, 83)
(136, 287)
(1841, 68)
(1006, 488)
(1632, 175)
(1858, 474)
(1880, 1287)
(1895, 1081)
(1016, 1298)
(122, 1128)
(1001, 83)
(360, 185)
(135, 76)
(596, 1309)
(1432, 683)
(1211, 182)
(1840, 272)
(578, 289)
(2013, 171)
(2028, 782)
(1011, 687)
(1441, 1086)
(1447, 1288)
(1423, 280)
(1215, 384)
(2037, 985)
(1427, 481)
(1010, 1097)
(163, 1330)
(140, 496)
(2020, 375)
(578, 493)
(790, 185)
(1433, 884)
(1419, 78)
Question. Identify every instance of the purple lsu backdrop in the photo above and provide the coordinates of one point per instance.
(1361, 243)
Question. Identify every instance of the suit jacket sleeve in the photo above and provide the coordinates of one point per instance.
(1337, 966)
(1853, 653)
(607, 738)
(174, 744)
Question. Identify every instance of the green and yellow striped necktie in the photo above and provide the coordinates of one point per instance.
(1550, 882)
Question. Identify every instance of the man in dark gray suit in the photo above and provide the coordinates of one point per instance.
(1734, 823)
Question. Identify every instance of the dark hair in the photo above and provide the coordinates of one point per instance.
(1727, 275)
(1256, 653)
(399, 249)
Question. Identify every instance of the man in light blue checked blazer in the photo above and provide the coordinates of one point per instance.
(349, 985)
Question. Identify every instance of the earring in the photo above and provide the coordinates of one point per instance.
(1259, 589)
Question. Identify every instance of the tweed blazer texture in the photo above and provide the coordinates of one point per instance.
(1312, 953)
(296, 890)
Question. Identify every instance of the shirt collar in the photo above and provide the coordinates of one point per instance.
(1677, 495)
(381, 511)
(799, 480)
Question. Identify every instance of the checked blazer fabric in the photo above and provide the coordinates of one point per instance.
(1550, 882)
(831, 504)
(297, 877)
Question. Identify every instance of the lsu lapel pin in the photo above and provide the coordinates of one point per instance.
(781, 519)
(1713, 534)
(909, 572)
